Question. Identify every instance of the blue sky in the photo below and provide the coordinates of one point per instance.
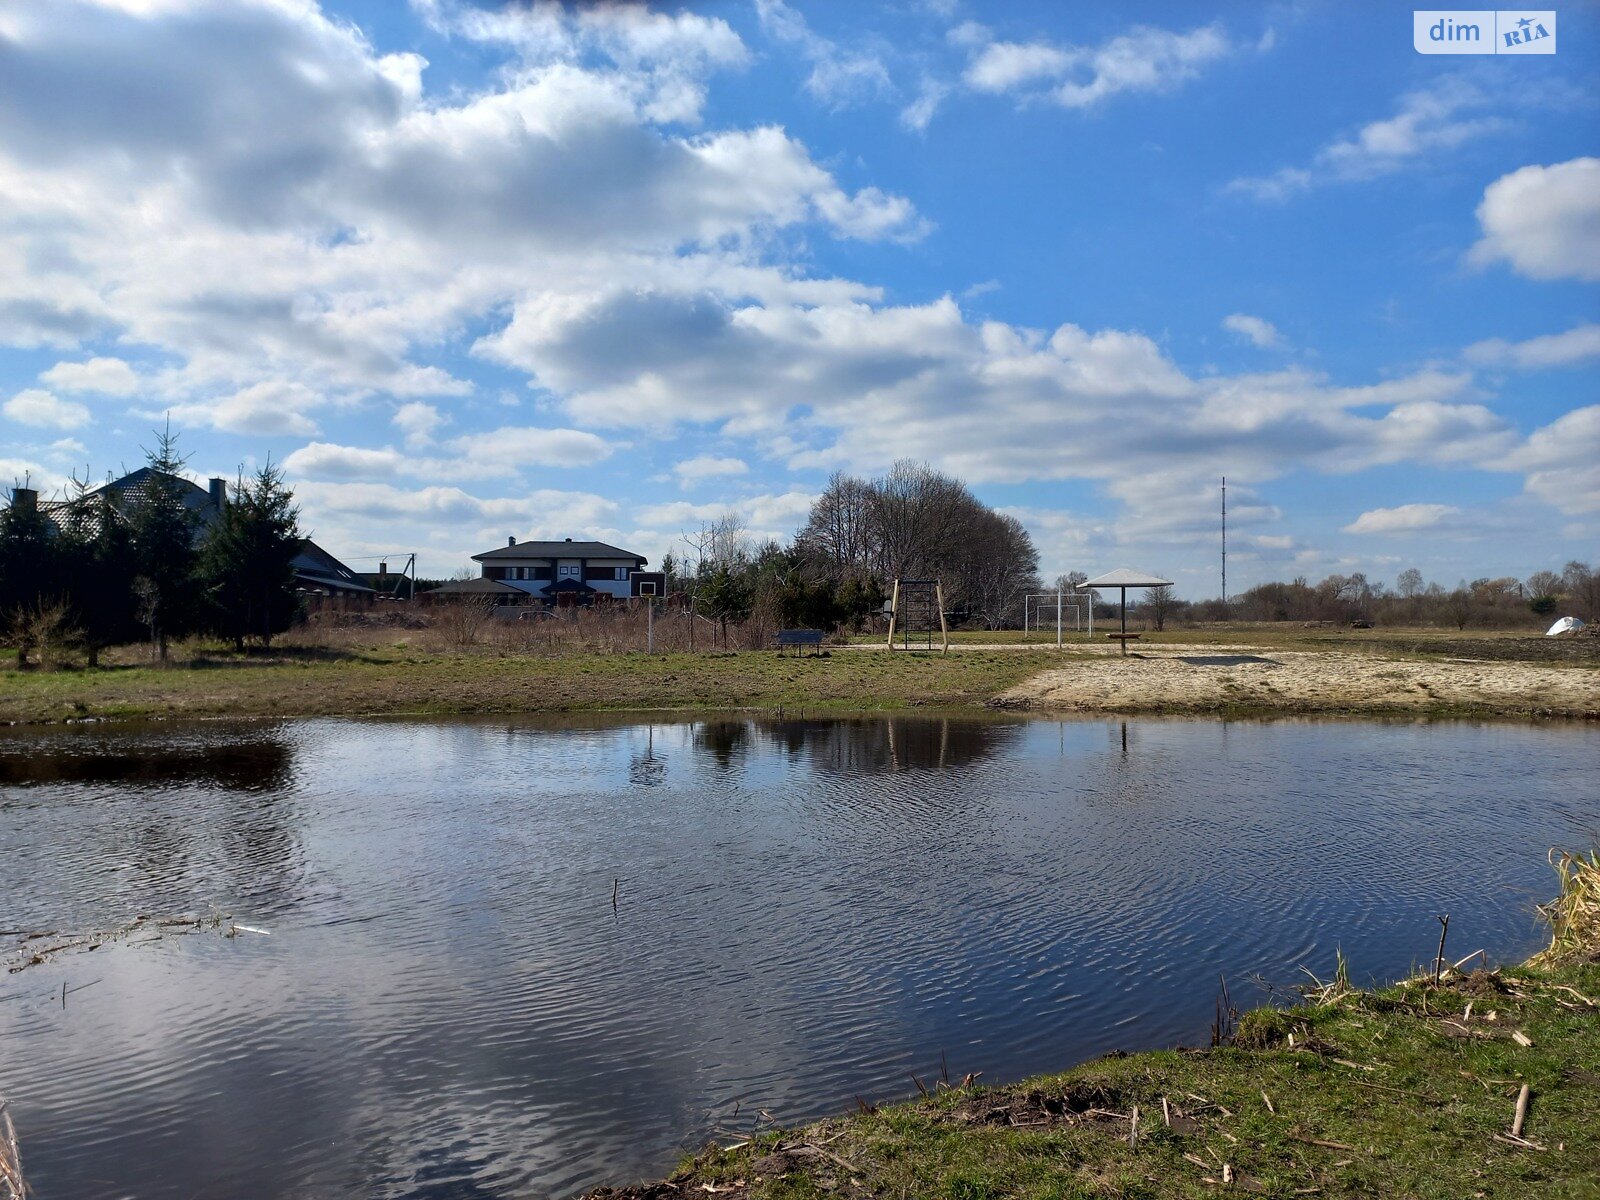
(470, 271)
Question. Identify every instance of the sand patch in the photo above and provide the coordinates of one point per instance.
(1206, 679)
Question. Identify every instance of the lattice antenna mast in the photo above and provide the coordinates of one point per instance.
(1224, 540)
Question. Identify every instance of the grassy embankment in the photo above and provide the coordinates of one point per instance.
(399, 679)
(371, 672)
(1408, 1091)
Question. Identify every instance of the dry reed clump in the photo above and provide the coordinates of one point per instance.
(12, 1185)
(1574, 914)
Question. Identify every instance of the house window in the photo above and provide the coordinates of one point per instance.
(622, 574)
(569, 572)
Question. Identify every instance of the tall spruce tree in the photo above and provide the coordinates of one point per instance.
(163, 529)
(248, 560)
(29, 570)
(98, 568)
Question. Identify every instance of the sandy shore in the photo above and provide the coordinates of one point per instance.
(1213, 678)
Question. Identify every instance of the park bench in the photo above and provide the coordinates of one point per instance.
(801, 638)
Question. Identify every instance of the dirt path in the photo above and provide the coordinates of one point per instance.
(1211, 678)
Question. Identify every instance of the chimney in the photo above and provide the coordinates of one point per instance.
(219, 493)
(569, 539)
(24, 499)
(511, 541)
(383, 570)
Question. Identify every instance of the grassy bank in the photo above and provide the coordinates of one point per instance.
(1408, 1091)
(370, 671)
(402, 680)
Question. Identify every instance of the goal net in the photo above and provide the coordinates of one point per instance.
(1040, 611)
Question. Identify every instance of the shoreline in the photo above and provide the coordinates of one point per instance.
(1251, 676)
(1457, 1083)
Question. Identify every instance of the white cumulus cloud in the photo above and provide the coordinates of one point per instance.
(1144, 59)
(1427, 121)
(1562, 462)
(1544, 221)
(418, 421)
(706, 466)
(45, 410)
(109, 376)
(1564, 349)
(1257, 330)
(1404, 518)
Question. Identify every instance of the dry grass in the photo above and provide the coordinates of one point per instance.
(12, 1185)
(404, 678)
(1574, 914)
(405, 659)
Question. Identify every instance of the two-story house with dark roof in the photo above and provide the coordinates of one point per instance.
(316, 571)
(569, 572)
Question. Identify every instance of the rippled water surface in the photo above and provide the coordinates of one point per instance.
(807, 911)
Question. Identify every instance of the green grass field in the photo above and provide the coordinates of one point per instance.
(401, 680)
(374, 673)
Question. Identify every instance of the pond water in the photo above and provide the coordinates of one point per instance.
(806, 911)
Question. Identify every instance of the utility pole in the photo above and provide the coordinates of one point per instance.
(1224, 541)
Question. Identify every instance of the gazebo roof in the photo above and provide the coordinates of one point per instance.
(1126, 577)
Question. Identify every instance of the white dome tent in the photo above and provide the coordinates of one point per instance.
(1564, 625)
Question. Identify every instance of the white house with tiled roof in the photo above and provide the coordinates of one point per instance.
(569, 572)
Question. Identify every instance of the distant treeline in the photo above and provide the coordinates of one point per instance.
(1506, 602)
(861, 535)
(99, 569)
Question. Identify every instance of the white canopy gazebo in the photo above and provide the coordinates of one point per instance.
(1122, 579)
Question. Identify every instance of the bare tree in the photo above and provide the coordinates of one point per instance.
(1581, 584)
(1001, 569)
(1409, 583)
(719, 547)
(1158, 603)
(1543, 583)
(917, 523)
(916, 515)
(837, 539)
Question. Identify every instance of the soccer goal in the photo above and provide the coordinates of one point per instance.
(1045, 614)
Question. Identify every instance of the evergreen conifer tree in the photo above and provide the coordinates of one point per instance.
(248, 560)
(98, 568)
(163, 529)
(28, 570)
